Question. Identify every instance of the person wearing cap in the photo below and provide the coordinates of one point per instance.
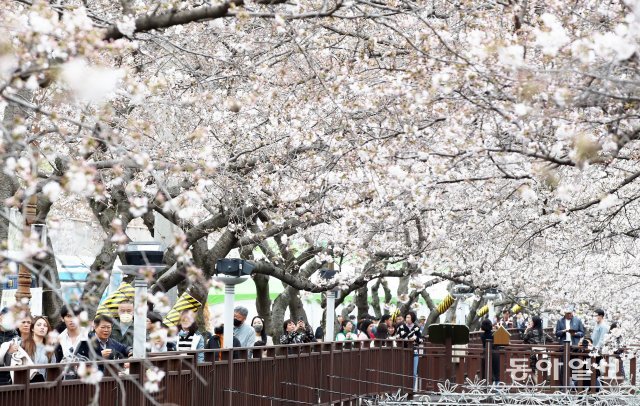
(570, 327)
(422, 321)
(241, 330)
(600, 330)
(8, 346)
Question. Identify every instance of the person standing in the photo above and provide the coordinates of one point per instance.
(8, 346)
(188, 337)
(410, 330)
(422, 322)
(73, 341)
(506, 321)
(36, 345)
(600, 330)
(487, 334)
(158, 334)
(216, 342)
(261, 335)
(346, 331)
(597, 338)
(241, 330)
(123, 325)
(24, 327)
(570, 327)
(296, 333)
(366, 331)
(534, 333)
(106, 346)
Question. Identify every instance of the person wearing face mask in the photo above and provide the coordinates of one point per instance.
(123, 326)
(188, 337)
(241, 330)
(261, 335)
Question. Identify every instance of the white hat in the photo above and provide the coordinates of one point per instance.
(568, 309)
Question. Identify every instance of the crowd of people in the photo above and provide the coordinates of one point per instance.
(568, 329)
(387, 327)
(36, 341)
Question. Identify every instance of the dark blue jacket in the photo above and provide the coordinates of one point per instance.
(576, 324)
(119, 350)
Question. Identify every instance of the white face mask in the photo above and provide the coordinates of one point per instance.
(126, 318)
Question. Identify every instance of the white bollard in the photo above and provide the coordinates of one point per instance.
(140, 319)
(330, 318)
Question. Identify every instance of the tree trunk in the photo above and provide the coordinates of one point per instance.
(387, 291)
(280, 305)
(450, 314)
(427, 299)
(296, 308)
(9, 185)
(361, 302)
(473, 309)
(100, 271)
(263, 300)
(375, 298)
(98, 278)
(403, 286)
(50, 283)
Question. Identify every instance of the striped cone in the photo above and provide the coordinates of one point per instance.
(185, 302)
(110, 305)
(518, 306)
(483, 310)
(445, 304)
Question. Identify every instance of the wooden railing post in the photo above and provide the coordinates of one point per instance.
(488, 367)
(566, 357)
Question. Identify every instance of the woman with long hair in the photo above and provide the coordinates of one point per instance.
(24, 327)
(534, 334)
(36, 345)
(261, 334)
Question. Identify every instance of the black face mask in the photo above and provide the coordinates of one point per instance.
(237, 322)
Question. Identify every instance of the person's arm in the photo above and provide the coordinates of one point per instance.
(559, 330)
(309, 336)
(284, 339)
(251, 339)
(580, 330)
(200, 346)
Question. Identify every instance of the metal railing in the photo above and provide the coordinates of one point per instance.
(315, 373)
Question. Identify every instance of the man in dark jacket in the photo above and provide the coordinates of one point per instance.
(106, 346)
(6, 336)
(569, 328)
(122, 330)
